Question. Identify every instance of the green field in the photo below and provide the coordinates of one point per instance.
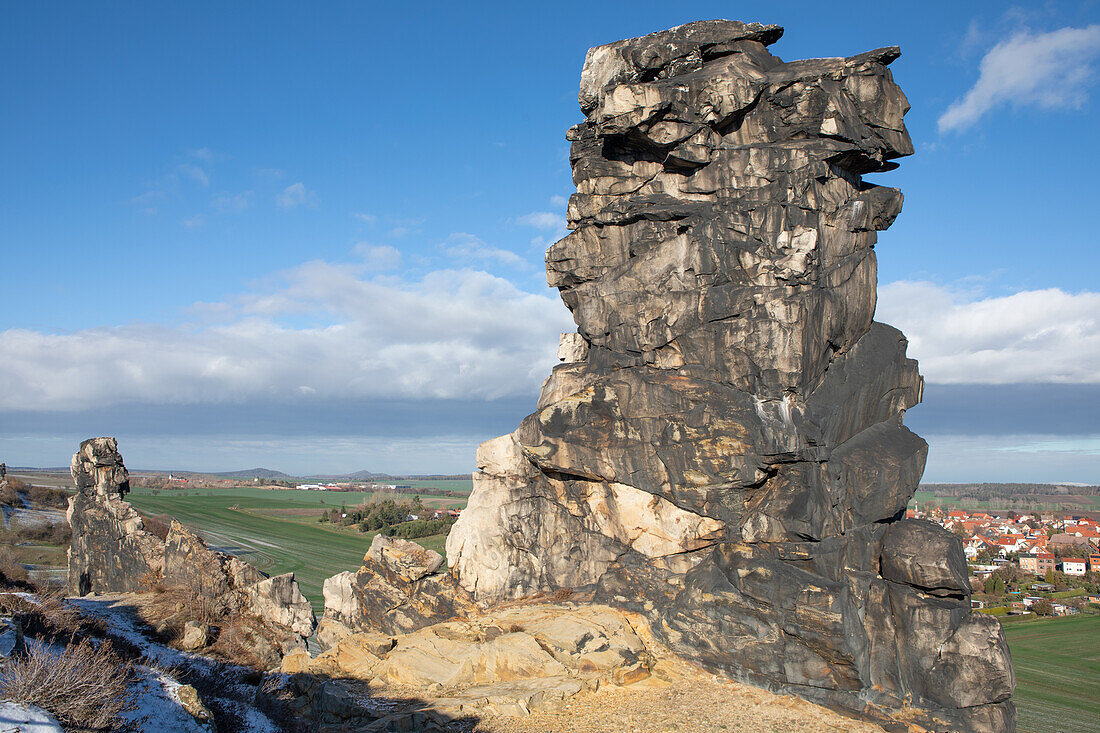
(462, 486)
(277, 531)
(1057, 674)
(924, 497)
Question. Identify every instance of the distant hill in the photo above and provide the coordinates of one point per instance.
(267, 474)
(264, 473)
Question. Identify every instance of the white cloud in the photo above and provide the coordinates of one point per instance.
(465, 246)
(194, 222)
(227, 202)
(542, 220)
(365, 218)
(324, 327)
(377, 258)
(559, 200)
(195, 173)
(1032, 336)
(1047, 70)
(294, 195)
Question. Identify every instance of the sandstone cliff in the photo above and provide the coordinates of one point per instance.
(723, 448)
(111, 552)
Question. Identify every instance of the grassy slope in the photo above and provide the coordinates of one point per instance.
(275, 543)
(1057, 674)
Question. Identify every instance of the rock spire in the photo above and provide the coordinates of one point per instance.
(723, 448)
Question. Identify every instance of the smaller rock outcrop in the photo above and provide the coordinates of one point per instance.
(507, 661)
(401, 587)
(111, 552)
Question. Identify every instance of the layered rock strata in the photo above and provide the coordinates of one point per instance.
(723, 448)
(111, 552)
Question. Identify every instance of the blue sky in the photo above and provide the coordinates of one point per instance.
(311, 237)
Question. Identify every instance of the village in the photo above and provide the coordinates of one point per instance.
(1042, 564)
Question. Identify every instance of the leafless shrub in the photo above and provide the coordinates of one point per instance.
(57, 533)
(47, 496)
(47, 615)
(11, 569)
(87, 685)
(157, 526)
(236, 640)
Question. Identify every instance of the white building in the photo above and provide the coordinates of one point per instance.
(1073, 566)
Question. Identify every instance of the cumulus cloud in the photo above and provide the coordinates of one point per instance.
(1031, 336)
(294, 195)
(467, 247)
(1047, 70)
(378, 258)
(324, 327)
(542, 220)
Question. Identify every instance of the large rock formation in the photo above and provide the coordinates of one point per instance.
(111, 552)
(723, 449)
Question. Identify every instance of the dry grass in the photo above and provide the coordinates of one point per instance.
(49, 616)
(87, 685)
(12, 571)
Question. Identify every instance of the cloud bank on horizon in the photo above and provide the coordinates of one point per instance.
(330, 331)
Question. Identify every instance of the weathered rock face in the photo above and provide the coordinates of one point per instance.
(723, 447)
(400, 587)
(111, 552)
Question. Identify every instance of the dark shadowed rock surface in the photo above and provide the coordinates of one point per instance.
(723, 448)
(111, 552)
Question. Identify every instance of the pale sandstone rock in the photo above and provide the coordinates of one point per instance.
(572, 348)
(195, 636)
(408, 560)
(279, 601)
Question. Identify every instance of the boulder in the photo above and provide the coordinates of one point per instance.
(407, 560)
(279, 600)
(195, 636)
(401, 587)
(925, 556)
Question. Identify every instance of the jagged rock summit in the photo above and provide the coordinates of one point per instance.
(722, 450)
(111, 552)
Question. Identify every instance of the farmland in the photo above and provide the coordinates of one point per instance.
(277, 531)
(1057, 674)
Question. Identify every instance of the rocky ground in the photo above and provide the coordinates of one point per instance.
(706, 704)
(599, 687)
